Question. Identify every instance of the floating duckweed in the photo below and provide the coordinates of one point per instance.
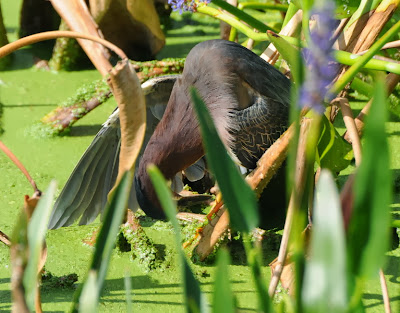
(142, 248)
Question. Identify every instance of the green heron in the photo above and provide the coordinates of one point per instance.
(248, 100)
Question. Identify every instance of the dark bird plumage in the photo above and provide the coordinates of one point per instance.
(248, 100)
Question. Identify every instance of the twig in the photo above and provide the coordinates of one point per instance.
(11, 47)
(355, 141)
(351, 127)
(391, 81)
(267, 167)
(271, 54)
(293, 204)
(19, 165)
(389, 45)
(191, 217)
(5, 239)
(385, 294)
(212, 232)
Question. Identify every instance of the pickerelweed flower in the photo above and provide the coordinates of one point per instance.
(185, 5)
(320, 62)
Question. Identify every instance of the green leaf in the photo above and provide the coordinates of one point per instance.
(368, 234)
(128, 289)
(37, 228)
(224, 300)
(325, 280)
(237, 194)
(333, 151)
(194, 298)
(89, 296)
(364, 7)
(105, 242)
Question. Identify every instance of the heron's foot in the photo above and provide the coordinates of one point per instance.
(216, 207)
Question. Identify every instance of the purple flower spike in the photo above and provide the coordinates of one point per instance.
(185, 5)
(319, 59)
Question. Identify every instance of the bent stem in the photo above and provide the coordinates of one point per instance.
(351, 127)
(385, 293)
(25, 41)
(18, 163)
(249, 32)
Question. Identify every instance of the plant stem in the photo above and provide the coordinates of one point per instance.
(360, 63)
(248, 19)
(11, 47)
(385, 293)
(249, 32)
(351, 127)
(19, 165)
(263, 6)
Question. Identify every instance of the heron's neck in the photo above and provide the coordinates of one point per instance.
(171, 156)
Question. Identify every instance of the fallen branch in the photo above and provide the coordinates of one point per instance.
(267, 167)
(91, 96)
(142, 246)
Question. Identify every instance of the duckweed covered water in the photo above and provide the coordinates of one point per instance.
(27, 95)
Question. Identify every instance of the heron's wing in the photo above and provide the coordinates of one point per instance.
(85, 193)
(257, 128)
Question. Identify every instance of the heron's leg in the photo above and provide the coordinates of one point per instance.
(217, 206)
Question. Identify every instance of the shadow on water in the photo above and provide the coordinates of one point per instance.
(84, 130)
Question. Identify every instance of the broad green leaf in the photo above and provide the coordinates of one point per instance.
(325, 280)
(224, 300)
(368, 234)
(333, 151)
(105, 242)
(37, 229)
(194, 298)
(237, 194)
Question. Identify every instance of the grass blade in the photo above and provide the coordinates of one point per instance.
(237, 194)
(194, 298)
(37, 229)
(224, 300)
(368, 234)
(114, 213)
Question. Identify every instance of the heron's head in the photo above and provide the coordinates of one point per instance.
(147, 198)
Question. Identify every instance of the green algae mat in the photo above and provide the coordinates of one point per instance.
(27, 95)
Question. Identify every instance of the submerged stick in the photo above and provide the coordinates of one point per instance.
(96, 93)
